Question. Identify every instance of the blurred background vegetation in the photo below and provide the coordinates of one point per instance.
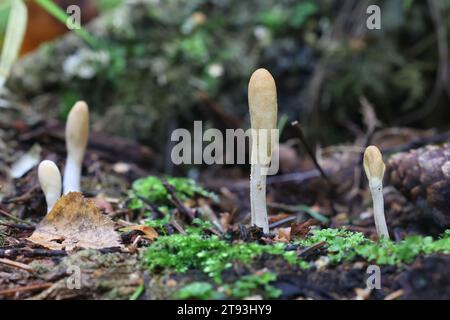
(158, 65)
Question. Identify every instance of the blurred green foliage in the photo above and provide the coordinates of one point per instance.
(105, 5)
(160, 55)
(4, 13)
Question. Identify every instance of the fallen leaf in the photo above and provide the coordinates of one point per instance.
(149, 232)
(283, 235)
(104, 205)
(75, 222)
(225, 220)
(278, 217)
(300, 230)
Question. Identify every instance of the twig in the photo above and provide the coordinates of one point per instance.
(299, 208)
(394, 295)
(296, 125)
(178, 227)
(282, 221)
(25, 197)
(293, 177)
(16, 264)
(10, 216)
(305, 252)
(107, 146)
(152, 207)
(174, 199)
(12, 253)
(110, 250)
(17, 226)
(32, 287)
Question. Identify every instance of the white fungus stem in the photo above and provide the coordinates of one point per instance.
(376, 189)
(258, 197)
(72, 176)
(50, 181)
(77, 132)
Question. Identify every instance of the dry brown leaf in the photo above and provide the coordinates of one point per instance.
(149, 232)
(300, 230)
(283, 235)
(75, 222)
(103, 205)
(278, 217)
(225, 220)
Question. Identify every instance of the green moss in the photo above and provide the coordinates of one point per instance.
(153, 190)
(158, 223)
(198, 290)
(210, 254)
(343, 245)
(244, 287)
(213, 256)
(254, 284)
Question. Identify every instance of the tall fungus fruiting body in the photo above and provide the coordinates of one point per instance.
(77, 132)
(375, 168)
(50, 181)
(262, 101)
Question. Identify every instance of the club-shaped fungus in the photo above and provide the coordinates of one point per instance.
(262, 100)
(374, 168)
(50, 181)
(77, 133)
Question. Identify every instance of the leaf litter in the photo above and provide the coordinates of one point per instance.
(75, 222)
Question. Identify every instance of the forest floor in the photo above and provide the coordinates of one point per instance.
(180, 240)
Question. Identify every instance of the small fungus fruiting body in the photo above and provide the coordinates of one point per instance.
(262, 100)
(77, 133)
(50, 181)
(374, 168)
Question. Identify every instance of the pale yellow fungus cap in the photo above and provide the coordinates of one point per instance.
(50, 181)
(262, 101)
(373, 163)
(77, 131)
(77, 135)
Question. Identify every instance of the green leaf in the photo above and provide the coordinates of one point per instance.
(62, 16)
(15, 32)
(316, 215)
(138, 292)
